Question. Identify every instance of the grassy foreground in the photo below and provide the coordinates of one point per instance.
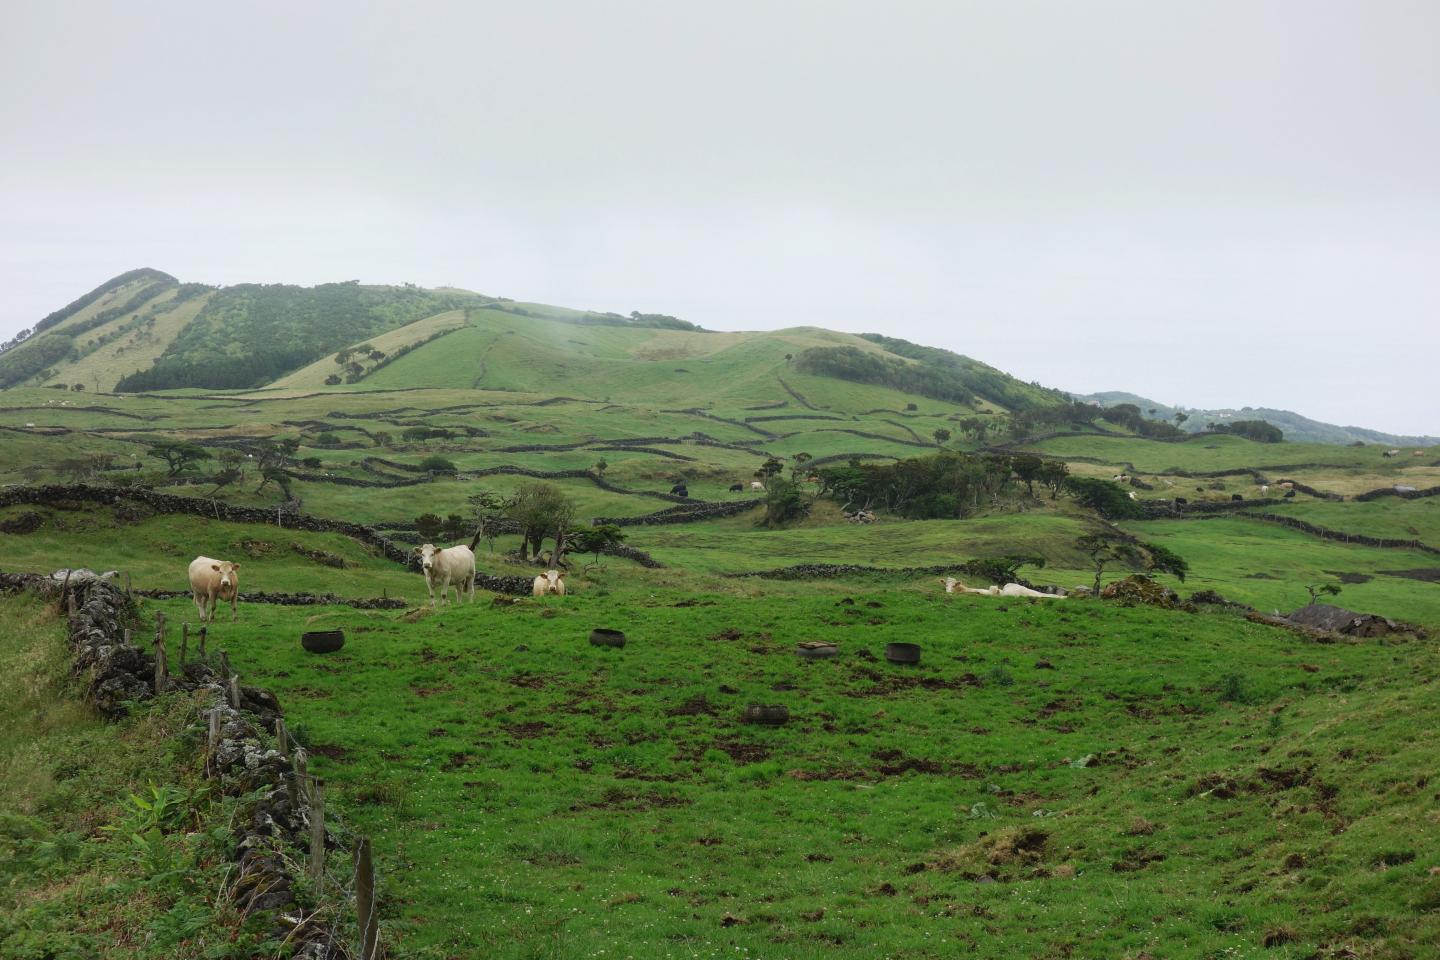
(111, 844)
(1054, 779)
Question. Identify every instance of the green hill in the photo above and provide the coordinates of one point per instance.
(1296, 426)
(145, 331)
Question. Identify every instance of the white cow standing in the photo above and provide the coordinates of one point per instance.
(551, 581)
(212, 581)
(756, 485)
(451, 567)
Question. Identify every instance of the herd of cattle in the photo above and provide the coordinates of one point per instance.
(218, 581)
(453, 568)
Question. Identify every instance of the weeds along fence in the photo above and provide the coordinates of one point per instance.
(248, 751)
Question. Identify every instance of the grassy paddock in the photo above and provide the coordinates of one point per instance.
(532, 795)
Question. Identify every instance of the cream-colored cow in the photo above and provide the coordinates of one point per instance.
(452, 567)
(551, 581)
(212, 581)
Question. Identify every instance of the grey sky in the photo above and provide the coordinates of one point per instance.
(1209, 203)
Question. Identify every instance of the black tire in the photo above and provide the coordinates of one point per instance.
(323, 641)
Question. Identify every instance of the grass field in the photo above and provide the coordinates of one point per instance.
(1058, 778)
(1187, 785)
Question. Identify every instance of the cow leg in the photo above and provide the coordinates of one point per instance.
(199, 605)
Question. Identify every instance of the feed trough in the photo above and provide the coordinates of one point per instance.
(323, 641)
(902, 652)
(769, 714)
(604, 637)
(816, 650)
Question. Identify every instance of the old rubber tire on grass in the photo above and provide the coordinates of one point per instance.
(602, 637)
(769, 714)
(817, 651)
(323, 641)
(902, 652)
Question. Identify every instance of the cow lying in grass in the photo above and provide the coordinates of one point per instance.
(211, 581)
(552, 581)
(1009, 590)
(452, 567)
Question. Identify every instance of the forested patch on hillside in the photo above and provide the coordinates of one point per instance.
(938, 374)
(250, 334)
(982, 379)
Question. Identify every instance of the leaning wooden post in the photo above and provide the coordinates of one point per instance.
(160, 629)
(300, 762)
(365, 899)
(224, 667)
(233, 690)
(162, 671)
(213, 739)
(317, 831)
(66, 601)
(184, 642)
(282, 737)
(203, 654)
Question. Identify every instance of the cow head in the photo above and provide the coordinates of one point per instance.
(950, 583)
(426, 553)
(229, 575)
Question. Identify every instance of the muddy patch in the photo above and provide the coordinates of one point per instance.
(527, 731)
(1424, 574)
(695, 706)
(742, 752)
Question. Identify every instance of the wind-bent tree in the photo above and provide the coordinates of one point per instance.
(179, 455)
(542, 510)
(487, 511)
(595, 540)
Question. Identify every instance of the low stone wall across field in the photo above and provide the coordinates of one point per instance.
(1338, 536)
(682, 514)
(60, 495)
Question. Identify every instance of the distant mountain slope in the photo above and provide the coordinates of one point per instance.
(1296, 426)
(64, 337)
(146, 331)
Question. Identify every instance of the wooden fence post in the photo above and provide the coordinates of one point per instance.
(224, 667)
(282, 737)
(66, 603)
(203, 654)
(233, 689)
(365, 900)
(162, 671)
(292, 792)
(160, 629)
(127, 637)
(317, 831)
(300, 763)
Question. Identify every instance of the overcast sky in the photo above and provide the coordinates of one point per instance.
(1208, 203)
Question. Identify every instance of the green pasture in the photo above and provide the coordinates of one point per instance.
(1057, 778)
